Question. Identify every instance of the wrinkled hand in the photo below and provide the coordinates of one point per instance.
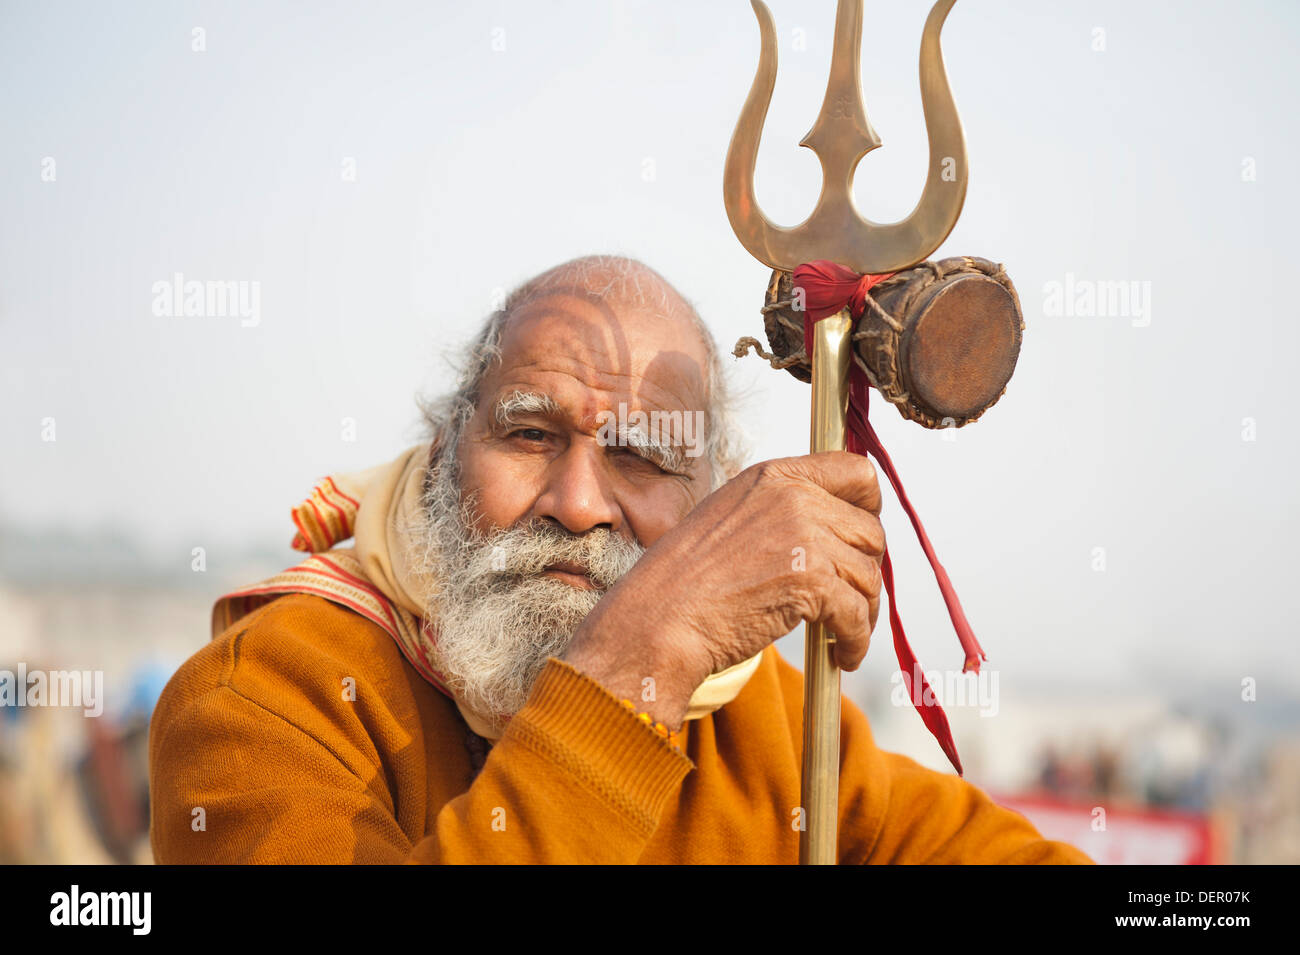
(785, 540)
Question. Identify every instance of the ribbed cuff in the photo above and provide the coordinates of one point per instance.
(576, 723)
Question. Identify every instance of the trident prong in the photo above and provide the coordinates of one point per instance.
(840, 137)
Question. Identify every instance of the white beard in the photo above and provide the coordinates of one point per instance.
(496, 616)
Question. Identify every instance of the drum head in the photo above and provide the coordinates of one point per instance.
(962, 346)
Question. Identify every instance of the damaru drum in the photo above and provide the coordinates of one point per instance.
(939, 341)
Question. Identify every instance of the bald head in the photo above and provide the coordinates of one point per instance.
(610, 278)
(617, 283)
(637, 302)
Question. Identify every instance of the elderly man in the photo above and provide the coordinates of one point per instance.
(551, 640)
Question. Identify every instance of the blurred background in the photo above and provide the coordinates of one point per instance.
(1119, 526)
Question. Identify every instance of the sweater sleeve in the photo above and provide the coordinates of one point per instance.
(297, 775)
(893, 810)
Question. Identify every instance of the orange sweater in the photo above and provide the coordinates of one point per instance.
(257, 754)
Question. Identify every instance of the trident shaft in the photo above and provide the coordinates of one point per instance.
(836, 231)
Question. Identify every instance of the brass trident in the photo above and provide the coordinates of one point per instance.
(835, 231)
(840, 137)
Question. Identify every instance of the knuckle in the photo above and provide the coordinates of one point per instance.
(757, 476)
(867, 469)
(868, 535)
(807, 602)
(852, 647)
(874, 577)
(878, 536)
(861, 619)
(771, 470)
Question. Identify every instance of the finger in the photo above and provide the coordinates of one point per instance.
(849, 477)
(856, 527)
(861, 572)
(847, 614)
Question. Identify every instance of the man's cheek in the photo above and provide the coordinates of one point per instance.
(652, 519)
(503, 494)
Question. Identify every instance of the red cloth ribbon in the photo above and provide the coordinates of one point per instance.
(827, 289)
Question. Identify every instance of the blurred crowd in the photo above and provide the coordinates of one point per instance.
(74, 789)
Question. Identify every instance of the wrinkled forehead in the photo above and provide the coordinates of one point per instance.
(573, 342)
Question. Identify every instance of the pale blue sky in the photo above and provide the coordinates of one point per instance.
(477, 167)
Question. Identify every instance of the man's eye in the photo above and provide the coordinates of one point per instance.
(637, 459)
(643, 463)
(530, 434)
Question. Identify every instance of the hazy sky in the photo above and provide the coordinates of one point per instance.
(1142, 142)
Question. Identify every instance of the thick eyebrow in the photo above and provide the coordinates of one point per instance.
(509, 408)
(666, 456)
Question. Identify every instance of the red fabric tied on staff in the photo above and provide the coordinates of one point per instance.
(828, 288)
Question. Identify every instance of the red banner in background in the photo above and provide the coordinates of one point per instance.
(1122, 836)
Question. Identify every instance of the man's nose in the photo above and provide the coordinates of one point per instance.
(578, 491)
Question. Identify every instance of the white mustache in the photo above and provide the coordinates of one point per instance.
(526, 550)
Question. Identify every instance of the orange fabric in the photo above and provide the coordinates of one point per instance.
(257, 754)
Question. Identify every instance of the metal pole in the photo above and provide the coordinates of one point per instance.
(832, 349)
